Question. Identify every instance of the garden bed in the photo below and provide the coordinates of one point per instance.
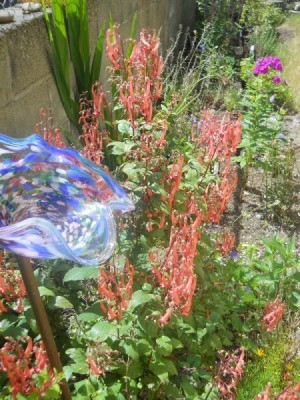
(197, 295)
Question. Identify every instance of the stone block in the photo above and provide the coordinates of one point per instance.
(28, 51)
(6, 93)
(27, 105)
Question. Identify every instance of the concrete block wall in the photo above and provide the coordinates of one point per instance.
(27, 83)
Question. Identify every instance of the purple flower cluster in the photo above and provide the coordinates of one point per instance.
(263, 65)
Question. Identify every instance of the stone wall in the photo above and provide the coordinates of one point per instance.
(26, 80)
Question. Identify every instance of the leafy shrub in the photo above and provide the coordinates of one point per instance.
(258, 13)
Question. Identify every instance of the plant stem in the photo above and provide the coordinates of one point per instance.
(41, 319)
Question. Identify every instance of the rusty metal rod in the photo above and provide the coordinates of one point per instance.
(43, 325)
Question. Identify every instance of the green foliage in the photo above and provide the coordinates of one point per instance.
(275, 272)
(264, 40)
(139, 356)
(276, 361)
(262, 110)
(69, 39)
(220, 17)
(258, 13)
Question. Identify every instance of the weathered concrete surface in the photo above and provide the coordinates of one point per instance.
(27, 83)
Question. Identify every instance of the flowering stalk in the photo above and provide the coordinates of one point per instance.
(230, 371)
(175, 269)
(21, 360)
(288, 393)
(12, 288)
(138, 76)
(100, 358)
(115, 291)
(273, 314)
(226, 243)
(47, 129)
(91, 114)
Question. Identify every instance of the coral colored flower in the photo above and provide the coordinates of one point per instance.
(226, 243)
(288, 393)
(114, 48)
(46, 129)
(230, 372)
(174, 266)
(217, 196)
(12, 289)
(21, 360)
(91, 112)
(273, 314)
(218, 138)
(139, 76)
(115, 291)
(101, 358)
(265, 395)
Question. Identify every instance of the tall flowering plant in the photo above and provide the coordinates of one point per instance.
(22, 361)
(266, 77)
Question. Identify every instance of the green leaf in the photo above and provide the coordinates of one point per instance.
(177, 344)
(164, 345)
(130, 348)
(82, 273)
(133, 370)
(236, 322)
(15, 331)
(162, 368)
(79, 365)
(119, 148)
(103, 330)
(88, 317)
(62, 302)
(84, 388)
(144, 347)
(115, 389)
(295, 299)
(139, 297)
(125, 127)
(149, 327)
(46, 292)
(132, 34)
(189, 390)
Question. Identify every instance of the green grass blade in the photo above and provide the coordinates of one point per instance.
(97, 60)
(84, 39)
(74, 28)
(59, 49)
(60, 37)
(132, 34)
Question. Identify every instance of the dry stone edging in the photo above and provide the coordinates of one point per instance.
(6, 17)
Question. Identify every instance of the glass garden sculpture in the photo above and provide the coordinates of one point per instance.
(55, 203)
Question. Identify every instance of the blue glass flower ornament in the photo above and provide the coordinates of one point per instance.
(55, 203)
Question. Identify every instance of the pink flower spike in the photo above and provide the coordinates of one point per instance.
(273, 314)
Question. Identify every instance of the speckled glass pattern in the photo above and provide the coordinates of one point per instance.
(55, 203)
